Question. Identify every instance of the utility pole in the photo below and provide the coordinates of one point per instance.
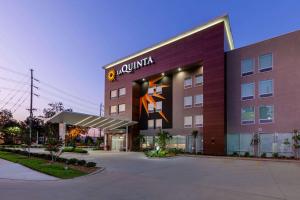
(101, 109)
(30, 109)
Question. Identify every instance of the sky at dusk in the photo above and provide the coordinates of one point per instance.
(67, 42)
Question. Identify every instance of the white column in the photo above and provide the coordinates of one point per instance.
(126, 138)
(62, 131)
(105, 141)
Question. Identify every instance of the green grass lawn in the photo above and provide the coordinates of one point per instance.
(54, 169)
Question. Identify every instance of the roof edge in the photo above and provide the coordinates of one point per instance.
(209, 24)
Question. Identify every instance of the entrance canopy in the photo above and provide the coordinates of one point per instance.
(89, 121)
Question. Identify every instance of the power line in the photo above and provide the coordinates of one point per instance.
(13, 71)
(20, 99)
(11, 89)
(20, 104)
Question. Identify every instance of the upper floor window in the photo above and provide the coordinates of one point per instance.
(198, 79)
(247, 115)
(150, 90)
(188, 122)
(188, 102)
(121, 107)
(265, 88)
(150, 107)
(158, 106)
(266, 113)
(150, 123)
(198, 120)
(122, 91)
(158, 89)
(113, 93)
(247, 66)
(113, 109)
(247, 91)
(199, 100)
(188, 82)
(265, 62)
(158, 123)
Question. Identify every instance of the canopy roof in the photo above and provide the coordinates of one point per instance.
(90, 121)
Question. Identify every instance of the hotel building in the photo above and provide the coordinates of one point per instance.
(239, 100)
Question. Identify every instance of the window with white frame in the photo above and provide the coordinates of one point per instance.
(265, 62)
(113, 109)
(198, 120)
(122, 107)
(247, 66)
(158, 89)
(188, 82)
(266, 113)
(199, 100)
(150, 107)
(158, 123)
(198, 79)
(113, 93)
(122, 91)
(188, 102)
(158, 106)
(188, 122)
(150, 90)
(150, 123)
(247, 115)
(247, 91)
(265, 88)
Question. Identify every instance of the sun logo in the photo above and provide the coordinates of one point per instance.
(111, 75)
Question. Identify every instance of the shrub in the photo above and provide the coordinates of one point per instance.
(78, 150)
(90, 164)
(275, 155)
(73, 161)
(247, 154)
(81, 162)
(235, 154)
(263, 155)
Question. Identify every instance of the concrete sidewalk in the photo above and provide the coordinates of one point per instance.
(9, 170)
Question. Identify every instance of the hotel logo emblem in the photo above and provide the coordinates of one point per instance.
(111, 75)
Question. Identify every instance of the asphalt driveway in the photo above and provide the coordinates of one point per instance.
(132, 176)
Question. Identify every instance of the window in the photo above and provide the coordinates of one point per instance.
(199, 100)
(150, 123)
(247, 91)
(158, 123)
(158, 89)
(150, 108)
(198, 120)
(247, 115)
(122, 91)
(266, 114)
(113, 109)
(150, 90)
(113, 93)
(247, 67)
(265, 88)
(188, 102)
(265, 62)
(158, 106)
(198, 79)
(188, 122)
(121, 107)
(188, 82)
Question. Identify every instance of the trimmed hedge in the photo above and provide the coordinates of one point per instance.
(71, 161)
(74, 150)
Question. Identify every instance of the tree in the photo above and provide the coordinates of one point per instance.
(10, 131)
(194, 134)
(5, 117)
(163, 138)
(55, 147)
(296, 139)
(55, 107)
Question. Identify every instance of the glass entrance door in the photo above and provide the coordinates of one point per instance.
(117, 143)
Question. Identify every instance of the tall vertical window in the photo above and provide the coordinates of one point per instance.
(265, 62)
(150, 123)
(265, 88)
(247, 66)
(150, 90)
(158, 106)
(122, 107)
(113, 93)
(198, 120)
(198, 79)
(188, 102)
(188, 122)
(122, 91)
(266, 113)
(158, 123)
(199, 100)
(150, 108)
(113, 109)
(158, 89)
(188, 82)
(247, 91)
(247, 115)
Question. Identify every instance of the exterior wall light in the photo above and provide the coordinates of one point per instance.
(179, 69)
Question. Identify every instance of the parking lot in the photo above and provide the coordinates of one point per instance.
(132, 176)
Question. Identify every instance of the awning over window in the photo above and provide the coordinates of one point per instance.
(90, 121)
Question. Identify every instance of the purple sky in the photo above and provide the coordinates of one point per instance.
(67, 42)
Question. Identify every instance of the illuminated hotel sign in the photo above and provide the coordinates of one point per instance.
(129, 67)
